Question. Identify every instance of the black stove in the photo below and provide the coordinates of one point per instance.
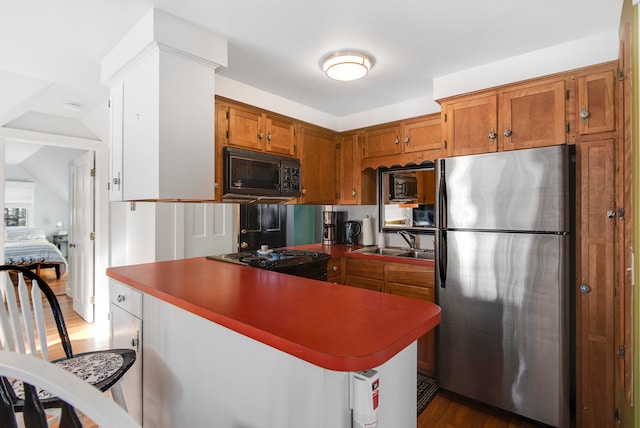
(308, 264)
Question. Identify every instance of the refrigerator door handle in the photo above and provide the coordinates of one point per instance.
(441, 190)
(442, 257)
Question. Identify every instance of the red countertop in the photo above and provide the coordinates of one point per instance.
(330, 325)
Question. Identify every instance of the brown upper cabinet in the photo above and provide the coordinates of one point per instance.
(354, 186)
(399, 143)
(596, 100)
(411, 136)
(532, 116)
(318, 165)
(253, 129)
(422, 135)
(382, 141)
(515, 117)
(469, 125)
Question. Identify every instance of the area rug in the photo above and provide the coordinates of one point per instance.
(427, 389)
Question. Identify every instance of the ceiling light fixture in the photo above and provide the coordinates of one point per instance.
(347, 65)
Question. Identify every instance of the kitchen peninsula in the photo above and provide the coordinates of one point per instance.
(229, 345)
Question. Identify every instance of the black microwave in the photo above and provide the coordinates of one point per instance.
(259, 177)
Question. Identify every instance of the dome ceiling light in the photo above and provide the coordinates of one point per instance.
(348, 65)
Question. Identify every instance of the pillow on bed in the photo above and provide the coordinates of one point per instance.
(23, 234)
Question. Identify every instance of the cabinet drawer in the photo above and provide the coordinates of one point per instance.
(419, 276)
(421, 293)
(334, 267)
(126, 298)
(365, 268)
(366, 283)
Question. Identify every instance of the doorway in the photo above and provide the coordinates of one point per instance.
(262, 224)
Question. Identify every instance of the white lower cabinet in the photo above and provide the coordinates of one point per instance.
(125, 314)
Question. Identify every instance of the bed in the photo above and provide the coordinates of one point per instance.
(30, 248)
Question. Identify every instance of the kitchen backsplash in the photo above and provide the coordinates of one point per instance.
(358, 212)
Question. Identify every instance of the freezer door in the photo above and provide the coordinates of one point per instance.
(502, 337)
(520, 190)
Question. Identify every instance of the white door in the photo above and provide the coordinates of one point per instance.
(81, 248)
(209, 229)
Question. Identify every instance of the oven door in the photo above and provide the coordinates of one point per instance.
(250, 173)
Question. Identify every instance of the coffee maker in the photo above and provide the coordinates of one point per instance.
(332, 227)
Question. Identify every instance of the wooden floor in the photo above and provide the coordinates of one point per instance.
(450, 411)
(445, 411)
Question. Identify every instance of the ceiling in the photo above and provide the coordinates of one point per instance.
(276, 45)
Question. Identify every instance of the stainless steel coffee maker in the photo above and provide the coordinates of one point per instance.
(332, 227)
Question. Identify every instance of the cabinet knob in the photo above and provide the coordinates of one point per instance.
(396, 141)
(584, 114)
(507, 132)
(406, 140)
(72, 245)
(304, 191)
(260, 135)
(354, 193)
(269, 137)
(116, 181)
(585, 289)
(243, 245)
(120, 298)
(134, 342)
(335, 268)
(492, 135)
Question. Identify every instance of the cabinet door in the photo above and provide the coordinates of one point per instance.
(422, 135)
(416, 282)
(126, 332)
(334, 271)
(596, 103)
(382, 141)
(116, 106)
(141, 139)
(348, 169)
(426, 343)
(532, 116)
(467, 124)
(596, 352)
(355, 186)
(318, 166)
(281, 137)
(246, 129)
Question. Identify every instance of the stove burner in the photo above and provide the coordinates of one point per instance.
(294, 262)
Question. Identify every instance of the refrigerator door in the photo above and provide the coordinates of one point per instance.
(520, 190)
(502, 336)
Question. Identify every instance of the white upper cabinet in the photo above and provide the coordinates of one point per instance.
(162, 87)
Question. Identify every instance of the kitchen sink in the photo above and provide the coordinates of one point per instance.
(419, 254)
(397, 252)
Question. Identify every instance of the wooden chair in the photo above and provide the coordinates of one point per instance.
(22, 320)
(73, 393)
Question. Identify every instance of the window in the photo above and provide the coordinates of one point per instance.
(15, 217)
(18, 203)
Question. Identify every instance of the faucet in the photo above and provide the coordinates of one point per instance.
(409, 237)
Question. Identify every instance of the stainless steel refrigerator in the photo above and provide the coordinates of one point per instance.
(502, 249)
